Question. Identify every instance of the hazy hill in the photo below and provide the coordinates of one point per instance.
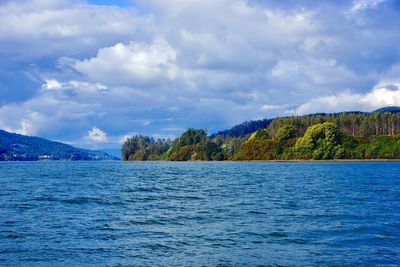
(392, 109)
(20, 147)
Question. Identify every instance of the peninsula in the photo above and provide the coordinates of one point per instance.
(340, 136)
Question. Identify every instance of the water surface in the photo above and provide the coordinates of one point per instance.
(199, 214)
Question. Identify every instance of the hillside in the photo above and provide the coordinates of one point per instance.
(245, 128)
(392, 109)
(345, 135)
(16, 147)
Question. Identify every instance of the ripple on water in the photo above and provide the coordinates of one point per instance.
(199, 214)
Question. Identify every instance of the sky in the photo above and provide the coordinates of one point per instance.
(90, 73)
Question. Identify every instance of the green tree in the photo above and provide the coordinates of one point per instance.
(144, 148)
(285, 133)
(259, 135)
(319, 141)
(192, 136)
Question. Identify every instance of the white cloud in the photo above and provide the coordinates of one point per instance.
(52, 84)
(315, 72)
(268, 107)
(360, 5)
(32, 28)
(18, 119)
(380, 96)
(133, 63)
(45, 114)
(97, 135)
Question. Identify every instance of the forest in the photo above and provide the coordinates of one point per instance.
(349, 135)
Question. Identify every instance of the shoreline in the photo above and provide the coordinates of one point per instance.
(330, 160)
(277, 161)
(249, 161)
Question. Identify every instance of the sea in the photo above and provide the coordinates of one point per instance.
(199, 213)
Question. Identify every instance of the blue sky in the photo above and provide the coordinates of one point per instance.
(90, 73)
(122, 3)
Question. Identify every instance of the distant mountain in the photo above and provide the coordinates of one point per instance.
(16, 147)
(116, 152)
(248, 127)
(392, 109)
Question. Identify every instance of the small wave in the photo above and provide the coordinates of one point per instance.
(26, 206)
(79, 200)
(266, 235)
(13, 236)
(382, 190)
(88, 200)
(155, 247)
(278, 234)
(146, 189)
(147, 222)
(256, 212)
(9, 223)
(298, 241)
(187, 197)
(44, 199)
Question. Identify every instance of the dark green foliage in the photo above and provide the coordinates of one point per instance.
(258, 150)
(231, 145)
(321, 141)
(350, 135)
(184, 147)
(184, 153)
(207, 151)
(285, 133)
(144, 148)
(211, 151)
(378, 147)
(191, 137)
(20, 147)
(354, 124)
(245, 128)
(195, 145)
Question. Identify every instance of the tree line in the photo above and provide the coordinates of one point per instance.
(354, 124)
(320, 136)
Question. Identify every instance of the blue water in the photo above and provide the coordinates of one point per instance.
(199, 214)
